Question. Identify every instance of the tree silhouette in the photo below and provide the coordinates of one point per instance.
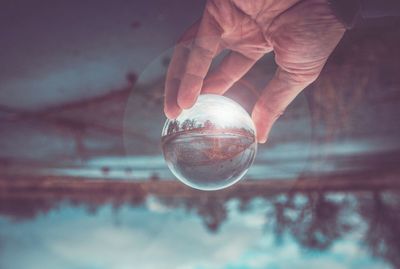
(173, 127)
(208, 124)
(213, 212)
(186, 125)
(192, 124)
(315, 224)
(383, 219)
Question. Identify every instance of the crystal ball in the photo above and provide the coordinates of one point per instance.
(211, 145)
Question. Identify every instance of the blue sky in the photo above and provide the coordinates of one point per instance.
(155, 236)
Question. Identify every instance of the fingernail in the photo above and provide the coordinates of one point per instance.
(262, 140)
(172, 115)
(185, 103)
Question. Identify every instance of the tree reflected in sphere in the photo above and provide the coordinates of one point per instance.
(211, 145)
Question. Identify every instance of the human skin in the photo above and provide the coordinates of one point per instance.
(302, 35)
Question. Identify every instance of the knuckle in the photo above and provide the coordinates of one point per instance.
(199, 49)
(267, 111)
(300, 75)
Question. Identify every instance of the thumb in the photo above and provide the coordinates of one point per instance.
(277, 95)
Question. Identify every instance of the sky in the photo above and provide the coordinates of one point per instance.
(155, 236)
(70, 50)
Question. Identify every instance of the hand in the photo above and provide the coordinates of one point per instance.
(301, 33)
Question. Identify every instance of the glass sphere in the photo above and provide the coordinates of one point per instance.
(211, 145)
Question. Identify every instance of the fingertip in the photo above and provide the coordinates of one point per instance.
(189, 90)
(214, 87)
(185, 104)
(186, 101)
(261, 140)
(172, 113)
(210, 91)
(261, 126)
(261, 135)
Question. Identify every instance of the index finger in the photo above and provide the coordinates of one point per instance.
(175, 71)
(202, 52)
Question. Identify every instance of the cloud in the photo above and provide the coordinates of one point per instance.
(134, 237)
(154, 237)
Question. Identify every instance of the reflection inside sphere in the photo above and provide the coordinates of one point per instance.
(211, 145)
